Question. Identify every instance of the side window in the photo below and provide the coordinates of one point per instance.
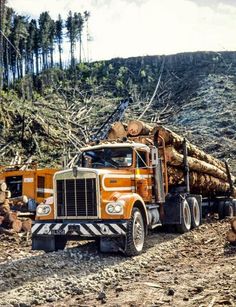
(141, 160)
(41, 186)
(14, 184)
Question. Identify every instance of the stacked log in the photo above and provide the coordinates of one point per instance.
(117, 131)
(208, 175)
(231, 234)
(9, 221)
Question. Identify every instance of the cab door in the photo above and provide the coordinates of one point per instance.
(143, 175)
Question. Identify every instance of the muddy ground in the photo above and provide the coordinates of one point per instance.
(194, 269)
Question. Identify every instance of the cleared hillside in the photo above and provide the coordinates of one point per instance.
(196, 96)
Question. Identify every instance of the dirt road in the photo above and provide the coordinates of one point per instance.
(195, 269)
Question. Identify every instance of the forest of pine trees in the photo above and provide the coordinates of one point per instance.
(28, 46)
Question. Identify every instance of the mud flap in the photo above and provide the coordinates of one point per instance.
(172, 210)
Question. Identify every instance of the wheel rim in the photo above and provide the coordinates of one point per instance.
(138, 231)
(196, 213)
(187, 215)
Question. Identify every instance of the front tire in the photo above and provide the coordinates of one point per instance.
(135, 236)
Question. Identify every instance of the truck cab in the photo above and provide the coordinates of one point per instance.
(108, 194)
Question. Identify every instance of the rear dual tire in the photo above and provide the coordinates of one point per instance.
(190, 216)
(227, 210)
(195, 212)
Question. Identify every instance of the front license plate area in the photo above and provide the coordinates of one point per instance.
(58, 232)
(74, 228)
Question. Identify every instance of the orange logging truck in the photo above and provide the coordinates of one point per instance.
(121, 188)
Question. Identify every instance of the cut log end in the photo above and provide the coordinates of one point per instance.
(231, 237)
(16, 225)
(26, 225)
(136, 127)
(233, 224)
(117, 131)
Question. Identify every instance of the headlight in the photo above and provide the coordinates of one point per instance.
(43, 209)
(115, 207)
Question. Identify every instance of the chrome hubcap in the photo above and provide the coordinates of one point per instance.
(196, 213)
(138, 231)
(187, 215)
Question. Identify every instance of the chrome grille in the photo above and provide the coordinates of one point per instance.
(76, 197)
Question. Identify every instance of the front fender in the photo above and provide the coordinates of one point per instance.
(131, 200)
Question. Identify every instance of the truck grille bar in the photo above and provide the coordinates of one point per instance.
(76, 198)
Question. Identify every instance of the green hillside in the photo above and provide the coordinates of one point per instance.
(45, 115)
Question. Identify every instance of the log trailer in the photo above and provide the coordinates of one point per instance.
(120, 189)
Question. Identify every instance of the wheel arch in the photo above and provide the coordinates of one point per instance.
(134, 201)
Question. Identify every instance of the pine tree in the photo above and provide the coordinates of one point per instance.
(86, 18)
(45, 28)
(74, 25)
(36, 43)
(79, 23)
(59, 37)
(7, 48)
(20, 34)
(2, 21)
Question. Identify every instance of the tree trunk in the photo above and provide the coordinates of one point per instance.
(176, 159)
(60, 52)
(200, 183)
(27, 225)
(16, 225)
(137, 127)
(51, 57)
(37, 62)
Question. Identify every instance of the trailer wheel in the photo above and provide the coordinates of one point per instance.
(185, 223)
(195, 212)
(135, 234)
(228, 210)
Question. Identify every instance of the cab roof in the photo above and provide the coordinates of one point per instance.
(117, 145)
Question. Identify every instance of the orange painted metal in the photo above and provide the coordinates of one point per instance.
(30, 180)
(128, 185)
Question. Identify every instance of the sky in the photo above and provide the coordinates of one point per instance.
(126, 28)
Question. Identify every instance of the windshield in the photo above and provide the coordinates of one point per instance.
(107, 157)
